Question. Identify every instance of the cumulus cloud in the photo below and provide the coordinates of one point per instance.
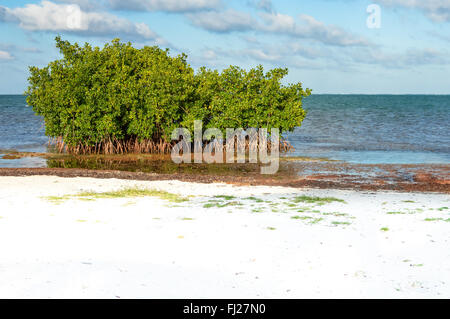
(427, 56)
(165, 5)
(209, 54)
(316, 56)
(262, 55)
(258, 54)
(49, 16)
(309, 28)
(4, 55)
(329, 34)
(276, 23)
(276, 56)
(226, 21)
(409, 59)
(87, 5)
(5, 15)
(436, 10)
(264, 5)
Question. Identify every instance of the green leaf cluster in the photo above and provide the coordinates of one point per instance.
(120, 93)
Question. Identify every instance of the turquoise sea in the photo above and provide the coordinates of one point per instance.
(402, 129)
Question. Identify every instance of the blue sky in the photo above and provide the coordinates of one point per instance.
(326, 44)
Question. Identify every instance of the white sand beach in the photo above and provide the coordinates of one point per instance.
(253, 242)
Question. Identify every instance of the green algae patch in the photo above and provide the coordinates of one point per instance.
(123, 193)
(396, 213)
(219, 204)
(309, 219)
(258, 210)
(255, 199)
(316, 200)
(316, 220)
(336, 214)
(437, 220)
(301, 217)
(225, 197)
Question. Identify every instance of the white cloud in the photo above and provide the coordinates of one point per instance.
(261, 55)
(165, 5)
(316, 56)
(265, 53)
(209, 55)
(264, 5)
(5, 15)
(49, 16)
(310, 28)
(85, 4)
(5, 56)
(276, 23)
(329, 34)
(405, 60)
(226, 21)
(436, 10)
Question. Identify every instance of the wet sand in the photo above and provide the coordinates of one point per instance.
(298, 174)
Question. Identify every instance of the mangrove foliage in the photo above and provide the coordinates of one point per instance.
(120, 99)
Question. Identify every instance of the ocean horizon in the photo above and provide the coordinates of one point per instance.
(355, 128)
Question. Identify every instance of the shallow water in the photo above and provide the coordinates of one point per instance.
(20, 129)
(369, 129)
(29, 162)
(376, 128)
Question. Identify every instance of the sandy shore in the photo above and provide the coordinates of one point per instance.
(253, 241)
